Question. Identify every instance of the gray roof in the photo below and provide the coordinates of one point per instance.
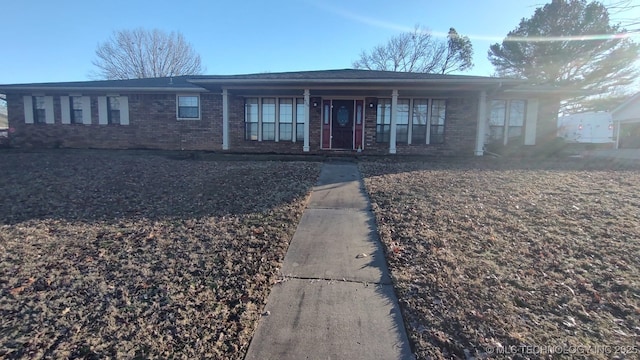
(340, 74)
(200, 83)
(158, 84)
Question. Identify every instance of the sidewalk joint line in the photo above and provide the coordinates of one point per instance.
(284, 278)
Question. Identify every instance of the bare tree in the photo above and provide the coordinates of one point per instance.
(135, 54)
(419, 51)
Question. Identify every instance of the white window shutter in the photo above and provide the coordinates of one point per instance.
(103, 115)
(48, 109)
(531, 120)
(65, 110)
(124, 110)
(28, 109)
(86, 110)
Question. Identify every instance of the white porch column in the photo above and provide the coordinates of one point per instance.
(618, 125)
(394, 117)
(482, 119)
(305, 147)
(225, 119)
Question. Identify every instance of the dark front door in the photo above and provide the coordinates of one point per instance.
(342, 124)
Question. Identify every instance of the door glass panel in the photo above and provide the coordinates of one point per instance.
(327, 114)
(343, 116)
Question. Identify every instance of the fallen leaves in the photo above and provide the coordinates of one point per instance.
(488, 254)
(110, 255)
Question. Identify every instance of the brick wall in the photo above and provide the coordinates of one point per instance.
(237, 142)
(459, 132)
(152, 125)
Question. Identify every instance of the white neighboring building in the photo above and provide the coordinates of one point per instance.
(626, 118)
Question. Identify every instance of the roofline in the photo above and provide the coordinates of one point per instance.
(351, 81)
(626, 103)
(99, 88)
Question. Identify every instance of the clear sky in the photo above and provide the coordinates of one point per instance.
(56, 40)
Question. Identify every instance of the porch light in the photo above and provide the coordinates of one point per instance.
(372, 104)
(315, 102)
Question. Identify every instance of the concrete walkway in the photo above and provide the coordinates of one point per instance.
(335, 303)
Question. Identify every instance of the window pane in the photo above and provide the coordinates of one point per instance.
(187, 101)
(300, 119)
(402, 121)
(383, 133)
(269, 110)
(113, 103)
(286, 111)
(268, 131)
(437, 120)
(251, 110)
(438, 112)
(516, 112)
(188, 112)
(299, 132)
(251, 131)
(358, 114)
(384, 112)
(497, 116)
(419, 121)
(497, 119)
(38, 102)
(286, 132)
(251, 118)
(300, 111)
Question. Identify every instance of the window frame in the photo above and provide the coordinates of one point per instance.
(384, 136)
(110, 111)
(506, 126)
(428, 137)
(37, 119)
(296, 122)
(73, 116)
(199, 107)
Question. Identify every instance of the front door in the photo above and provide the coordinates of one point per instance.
(342, 124)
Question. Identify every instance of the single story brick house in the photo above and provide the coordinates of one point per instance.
(374, 112)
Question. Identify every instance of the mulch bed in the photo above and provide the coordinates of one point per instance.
(500, 259)
(118, 255)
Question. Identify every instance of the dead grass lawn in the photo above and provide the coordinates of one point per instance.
(511, 257)
(111, 255)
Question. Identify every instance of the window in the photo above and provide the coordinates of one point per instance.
(402, 122)
(497, 119)
(300, 119)
(438, 116)
(285, 119)
(516, 118)
(275, 117)
(39, 112)
(189, 107)
(268, 119)
(113, 109)
(419, 121)
(506, 120)
(383, 121)
(75, 104)
(251, 119)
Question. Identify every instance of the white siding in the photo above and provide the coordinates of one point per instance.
(103, 117)
(48, 109)
(124, 110)
(531, 120)
(86, 110)
(65, 109)
(28, 109)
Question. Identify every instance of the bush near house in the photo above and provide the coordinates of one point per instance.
(128, 255)
(495, 259)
